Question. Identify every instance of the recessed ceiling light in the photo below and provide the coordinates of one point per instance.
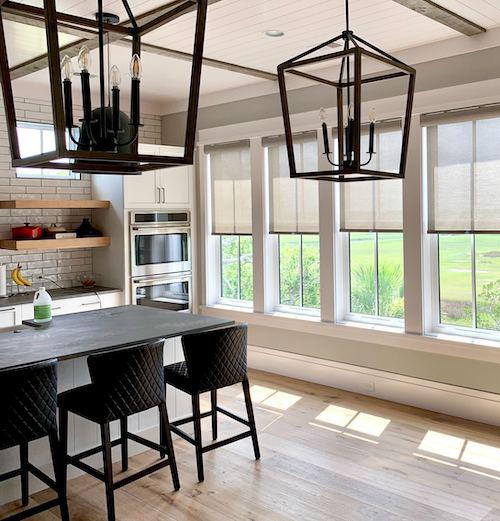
(274, 33)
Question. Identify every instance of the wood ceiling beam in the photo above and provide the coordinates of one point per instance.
(209, 62)
(443, 16)
(34, 15)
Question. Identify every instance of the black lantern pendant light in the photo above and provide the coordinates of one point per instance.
(350, 73)
(105, 139)
(107, 128)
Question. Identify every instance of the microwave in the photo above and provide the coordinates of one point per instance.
(160, 243)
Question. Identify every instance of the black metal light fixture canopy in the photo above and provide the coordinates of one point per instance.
(351, 155)
(105, 139)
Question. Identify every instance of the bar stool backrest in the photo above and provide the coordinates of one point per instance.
(28, 403)
(128, 380)
(217, 358)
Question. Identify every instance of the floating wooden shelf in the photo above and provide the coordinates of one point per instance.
(55, 244)
(86, 204)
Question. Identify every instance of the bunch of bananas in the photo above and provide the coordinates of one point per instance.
(19, 279)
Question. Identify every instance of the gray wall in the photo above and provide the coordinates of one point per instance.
(428, 366)
(463, 372)
(446, 72)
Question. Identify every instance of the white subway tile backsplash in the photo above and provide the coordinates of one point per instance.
(66, 267)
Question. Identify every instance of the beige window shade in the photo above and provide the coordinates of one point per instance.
(463, 165)
(376, 205)
(293, 203)
(231, 188)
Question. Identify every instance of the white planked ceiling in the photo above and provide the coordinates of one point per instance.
(235, 33)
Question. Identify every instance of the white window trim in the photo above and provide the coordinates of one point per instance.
(420, 332)
(453, 345)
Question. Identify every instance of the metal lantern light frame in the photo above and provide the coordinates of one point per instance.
(92, 161)
(355, 49)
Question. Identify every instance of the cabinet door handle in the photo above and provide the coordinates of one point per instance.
(55, 309)
(89, 303)
(159, 194)
(163, 191)
(6, 309)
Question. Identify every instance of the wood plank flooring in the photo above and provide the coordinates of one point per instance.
(327, 455)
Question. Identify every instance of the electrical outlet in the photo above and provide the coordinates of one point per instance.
(368, 388)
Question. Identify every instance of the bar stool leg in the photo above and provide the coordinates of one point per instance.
(63, 440)
(23, 456)
(58, 457)
(166, 436)
(251, 418)
(197, 435)
(108, 470)
(213, 399)
(124, 443)
(162, 432)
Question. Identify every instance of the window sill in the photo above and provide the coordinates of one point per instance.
(450, 345)
(232, 306)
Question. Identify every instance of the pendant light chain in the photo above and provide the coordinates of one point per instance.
(347, 15)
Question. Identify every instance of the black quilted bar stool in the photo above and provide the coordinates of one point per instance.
(213, 360)
(124, 382)
(28, 411)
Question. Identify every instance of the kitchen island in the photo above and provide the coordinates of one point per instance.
(81, 334)
(69, 339)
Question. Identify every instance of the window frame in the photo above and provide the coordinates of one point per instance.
(45, 173)
(240, 303)
(437, 326)
(350, 316)
(288, 308)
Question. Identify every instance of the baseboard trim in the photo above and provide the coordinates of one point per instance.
(465, 403)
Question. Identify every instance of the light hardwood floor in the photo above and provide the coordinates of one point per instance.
(326, 455)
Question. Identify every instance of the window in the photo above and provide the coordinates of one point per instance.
(36, 138)
(294, 219)
(299, 270)
(463, 161)
(376, 274)
(231, 197)
(236, 267)
(371, 214)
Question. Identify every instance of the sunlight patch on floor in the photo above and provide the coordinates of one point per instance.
(442, 444)
(461, 451)
(351, 422)
(271, 397)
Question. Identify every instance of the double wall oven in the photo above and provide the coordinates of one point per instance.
(160, 245)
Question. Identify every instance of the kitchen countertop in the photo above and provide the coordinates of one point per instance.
(56, 294)
(81, 334)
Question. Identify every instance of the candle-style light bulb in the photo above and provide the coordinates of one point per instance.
(67, 67)
(322, 115)
(372, 116)
(116, 76)
(350, 111)
(136, 67)
(324, 128)
(67, 72)
(84, 60)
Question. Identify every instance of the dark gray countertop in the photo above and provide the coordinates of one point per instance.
(56, 294)
(80, 334)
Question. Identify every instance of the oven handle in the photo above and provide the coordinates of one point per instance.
(161, 280)
(157, 230)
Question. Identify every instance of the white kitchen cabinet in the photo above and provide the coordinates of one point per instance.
(10, 316)
(77, 304)
(162, 188)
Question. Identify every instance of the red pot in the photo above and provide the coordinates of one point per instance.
(27, 232)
